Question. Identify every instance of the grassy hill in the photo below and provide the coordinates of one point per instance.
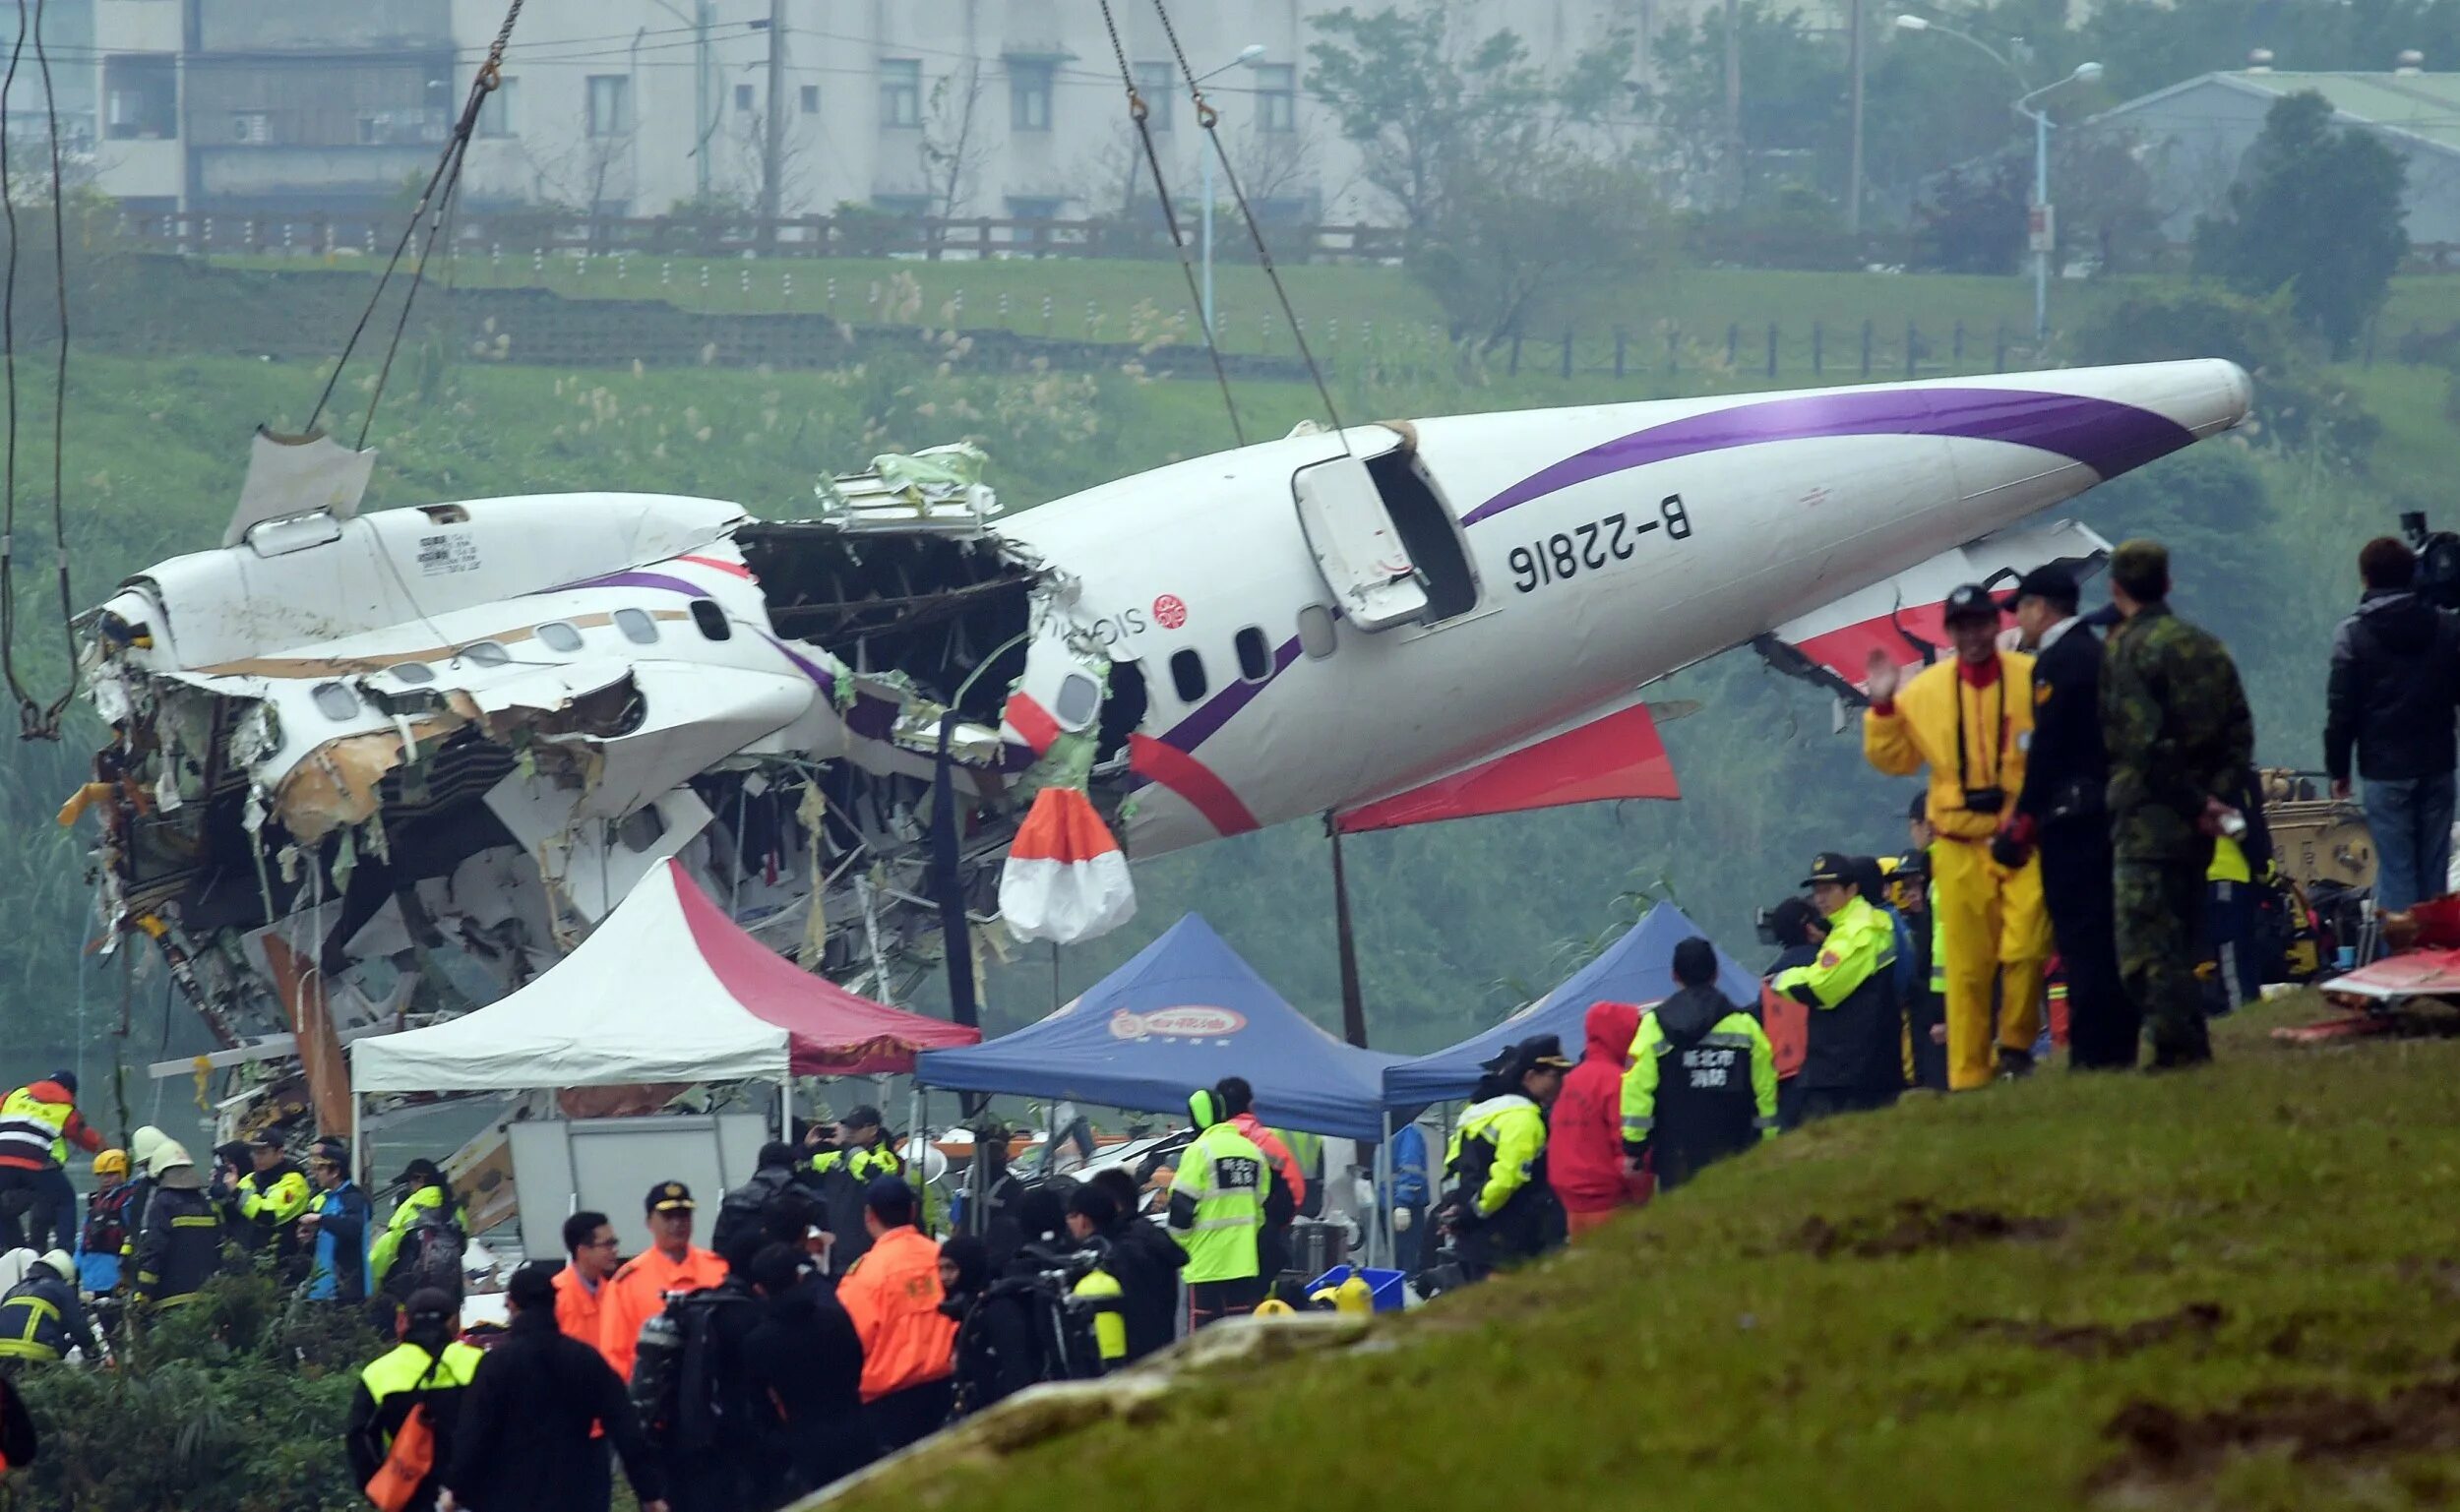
(2220, 1289)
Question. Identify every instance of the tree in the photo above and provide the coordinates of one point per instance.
(956, 142)
(1972, 220)
(1515, 243)
(1420, 103)
(2317, 212)
(1795, 100)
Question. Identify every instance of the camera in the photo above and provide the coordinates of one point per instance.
(1988, 800)
(2438, 561)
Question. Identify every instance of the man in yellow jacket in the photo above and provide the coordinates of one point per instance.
(1970, 721)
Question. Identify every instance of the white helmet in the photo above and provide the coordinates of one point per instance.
(920, 1151)
(169, 1153)
(61, 1265)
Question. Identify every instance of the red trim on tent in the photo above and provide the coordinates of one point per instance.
(832, 1032)
(1621, 756)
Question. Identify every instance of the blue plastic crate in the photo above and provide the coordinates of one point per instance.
(1384, 1286)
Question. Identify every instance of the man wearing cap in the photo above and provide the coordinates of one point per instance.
(1970, 720)
(844, 1171)
(427, 1203)
(269, 1202)
(338, 1223)
(1217, 1197)
(638, 1291)
(38, 1122)
(2061, 813)
(1503, 1209)
(1853, 1059)
(893, 1295)
(2181, 745)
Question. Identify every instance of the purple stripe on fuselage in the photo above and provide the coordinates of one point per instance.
(2104, 434)
(1211, 715)
(810, 669)
(663, 581)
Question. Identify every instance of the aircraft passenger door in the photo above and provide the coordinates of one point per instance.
(1356, 545)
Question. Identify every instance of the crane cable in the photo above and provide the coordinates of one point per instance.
(1207, 117)
(36, 720)
(448, 176)
(1138, 112)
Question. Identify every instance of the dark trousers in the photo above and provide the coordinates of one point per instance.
(19, 1190)
(912, 1415)
(1210, 1301)
(2228, 943)
(2103, 1024)
(1827, 1102)
(2160, 909)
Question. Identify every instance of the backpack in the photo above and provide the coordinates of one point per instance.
(683, 1385)
(772, 1205)
(430, 1255)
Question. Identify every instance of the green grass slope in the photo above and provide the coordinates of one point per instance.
(2231, 1289)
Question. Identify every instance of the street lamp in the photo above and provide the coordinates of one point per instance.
(2038, 228)
(1205, 161)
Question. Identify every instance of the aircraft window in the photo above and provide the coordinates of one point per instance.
(412, 672)
(636, 626)
(1255, 657)
(336, 701)
(1080, 697)
(1186, 674)
(559, 636)
(1315, 631)
(486, 653)
(712, 619)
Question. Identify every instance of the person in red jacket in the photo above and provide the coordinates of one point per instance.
(1585, 1157)
(38, 1122)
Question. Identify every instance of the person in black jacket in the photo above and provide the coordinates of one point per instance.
(805, 1362)
(2061, 812)
(2395, 677)
(776, 1206)
(1146, 1262)
(523, 1439)
(997, 1352)
(1702, 1084)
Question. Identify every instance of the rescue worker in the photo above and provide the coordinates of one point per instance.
(2181, 745)
(141, 1147)
(426, 1192)
(1970, 719)
(1307, 1160)
(2060, 812)
(844, 1171)
(805, 1360)
(1090, 1215)
(894, 1295)
(1287, 1196)
(1584, 1156)
(1217, 1214)
(1501, 1208)
(105, 1236)
(2226, 969)
(430, 1368)
(590, 1246)
(1703, 1078)
(42, 1318)
(535, 1426)
(1926, 1006)
(996, 1352)
(267, 1205)
(181, 1246)
(38, 1122)
(1853, 1060)
(337, 1226)
(638, 1291)
(1146, 1262)
(1410, 1193)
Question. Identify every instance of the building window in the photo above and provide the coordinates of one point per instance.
(743, 99)
(1158, 83)
(1029, 93)
(1186, 674)
(141, 98)
(610, 104)
(495, 113)
(1276, 97)
(811, 98)
(901, 91)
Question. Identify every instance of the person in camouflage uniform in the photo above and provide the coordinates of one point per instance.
(2182, 749)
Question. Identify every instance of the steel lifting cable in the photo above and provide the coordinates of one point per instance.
(36, 720)
(1207, 117)
(1138, 111)
(448, 175)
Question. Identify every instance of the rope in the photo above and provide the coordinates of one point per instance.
(1138, 111)
(1207, 117)
(36, 720)
(490, 74)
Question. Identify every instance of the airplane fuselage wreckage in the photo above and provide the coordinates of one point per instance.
(371, 769)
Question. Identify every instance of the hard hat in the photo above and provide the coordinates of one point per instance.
(61, 1264)
(167, 1154)
(111, 1162)
(1354, 1296)
(1274, 1308)
(920, 1152)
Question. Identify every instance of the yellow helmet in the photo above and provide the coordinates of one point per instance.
(111, 1162)
(1274, 1308)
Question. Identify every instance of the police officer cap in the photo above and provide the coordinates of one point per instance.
(419, 1169)
(264, 1139)
(1920, 807)
(67, 1081)
(1912, 863)
(2052, 582)
(1541, 1050)
(432, 1303)
(1970, 602)
(1835, 867)
(669, 1197)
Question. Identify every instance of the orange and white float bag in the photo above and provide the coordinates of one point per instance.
(1066, 878)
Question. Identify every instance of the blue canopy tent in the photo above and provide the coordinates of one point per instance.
(1185, 1012)
(1637, 968)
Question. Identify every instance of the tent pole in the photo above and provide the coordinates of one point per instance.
(363, 1172)
(1386, 1245)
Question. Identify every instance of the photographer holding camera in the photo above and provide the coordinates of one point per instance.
(1970, 721)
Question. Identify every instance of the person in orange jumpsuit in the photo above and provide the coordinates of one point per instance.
(638, 1291)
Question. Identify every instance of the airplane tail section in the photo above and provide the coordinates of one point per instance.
(1902, 615)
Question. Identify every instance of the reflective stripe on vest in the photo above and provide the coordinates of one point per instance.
(20, 1342)
(33, 1130)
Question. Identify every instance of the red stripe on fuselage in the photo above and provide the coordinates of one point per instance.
(737, 569)
(1191, 780)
